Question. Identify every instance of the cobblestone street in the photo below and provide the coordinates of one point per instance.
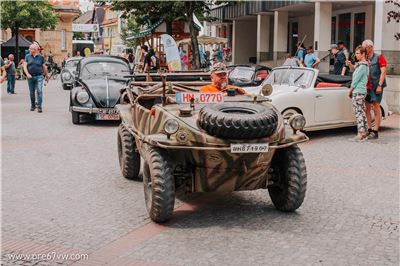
(63, 192)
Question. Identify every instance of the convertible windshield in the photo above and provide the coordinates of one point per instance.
(71, 63)
(97, 70)
(291, 76)
(242, 74)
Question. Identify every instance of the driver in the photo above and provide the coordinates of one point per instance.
(219, 79)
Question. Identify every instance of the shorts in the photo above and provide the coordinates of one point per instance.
(372, 96)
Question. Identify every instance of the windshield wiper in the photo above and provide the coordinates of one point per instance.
(298, 77)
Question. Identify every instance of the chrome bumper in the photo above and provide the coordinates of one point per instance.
(91, 110)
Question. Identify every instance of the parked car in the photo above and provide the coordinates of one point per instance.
(99, 80)
(322, 99)
(207, 142)
(69, 71)
(247, 75)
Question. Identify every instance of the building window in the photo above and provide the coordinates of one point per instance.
(344, 28)
(359, 29)
(333, 32)
(63, 46)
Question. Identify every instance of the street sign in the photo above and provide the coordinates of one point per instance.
(85, 27)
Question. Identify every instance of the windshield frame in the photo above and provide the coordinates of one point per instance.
(248, 69)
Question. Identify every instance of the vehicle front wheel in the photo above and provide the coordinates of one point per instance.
(287, 179)
(129, 158)
(75, 118)
(288, 113)
(159, 186)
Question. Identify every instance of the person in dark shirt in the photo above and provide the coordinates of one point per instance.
(34, 68)
(339, 66)
(11, 72)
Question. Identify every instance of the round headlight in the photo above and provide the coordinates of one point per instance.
(66, 76)
(266, 90)
(297, 121)
(171, 126)
(82, 97)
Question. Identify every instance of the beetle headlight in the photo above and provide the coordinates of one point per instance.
(171, 126)
(82, 97)
(66, 76)
(297, 121)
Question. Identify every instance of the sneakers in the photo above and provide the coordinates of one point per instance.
(373, 135)
(39, 109)
(32, 108)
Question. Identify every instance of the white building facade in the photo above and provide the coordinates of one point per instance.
(265, 31)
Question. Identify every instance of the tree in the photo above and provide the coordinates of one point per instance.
(168, 11)
(18, 15)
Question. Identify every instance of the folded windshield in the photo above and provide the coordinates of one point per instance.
(292, 77)
(97, 70)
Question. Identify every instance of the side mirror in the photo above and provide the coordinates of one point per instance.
(267, 90)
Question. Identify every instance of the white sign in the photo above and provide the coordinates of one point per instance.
(171, 52)
(85, 27)
(249, 148)
(205, 97)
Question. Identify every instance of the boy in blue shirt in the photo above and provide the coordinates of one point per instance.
(311, 60)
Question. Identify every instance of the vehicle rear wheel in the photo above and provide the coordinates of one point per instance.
(75, 118)
(159, 186)
(129, 158)
(238, 120)
(289, 179)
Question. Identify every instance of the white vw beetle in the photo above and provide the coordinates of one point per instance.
(322, 99)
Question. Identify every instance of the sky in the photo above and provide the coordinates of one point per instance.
(85, 5)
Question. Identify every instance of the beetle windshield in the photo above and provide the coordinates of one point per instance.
(243, 74)
(71, 63)
(99, 70)
(301, 77)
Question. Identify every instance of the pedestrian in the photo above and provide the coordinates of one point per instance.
(11, 73)
(34, 68)
(342, 48)
(291, 61)
(78, 53)
(339, 66)
(311, 60)
(150, 59)
(358, 93)
(2, 70)
(376, 84)
(301, 52)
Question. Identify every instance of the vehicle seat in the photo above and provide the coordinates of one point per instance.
(148, 103)
(328, 85)
(262, 74)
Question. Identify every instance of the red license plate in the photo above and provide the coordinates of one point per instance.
(107, 117)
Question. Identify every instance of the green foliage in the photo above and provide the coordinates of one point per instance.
(130, 29)
(27, 14)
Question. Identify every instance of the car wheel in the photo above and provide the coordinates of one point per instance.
(75, 118)
(287, 179)
(129, 158)
(159, 186)
(238, 120)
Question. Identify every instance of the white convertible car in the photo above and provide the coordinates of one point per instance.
(322, 99)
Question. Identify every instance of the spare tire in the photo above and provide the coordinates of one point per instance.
(238, 120)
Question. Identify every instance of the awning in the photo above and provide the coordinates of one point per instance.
(204, 40)
(150, 28)
(22, 42)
